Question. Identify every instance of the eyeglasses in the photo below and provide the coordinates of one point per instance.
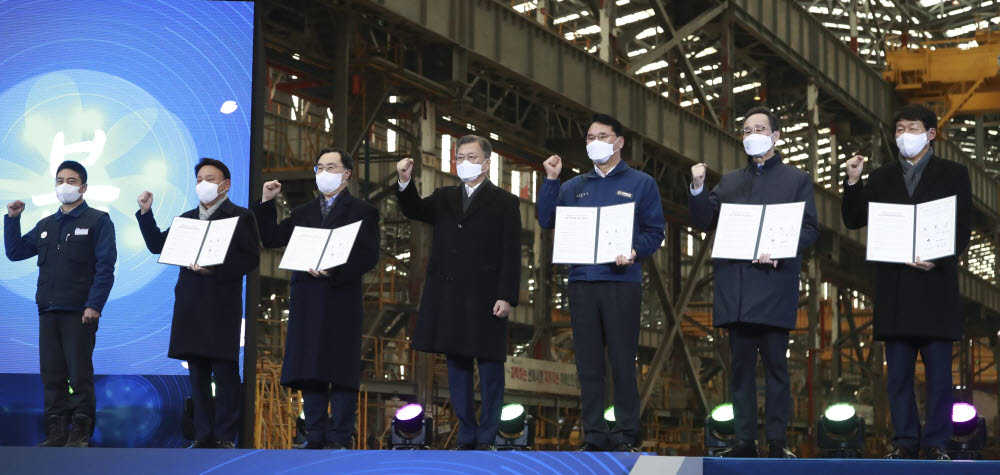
(470, 157)
(757, 129)
(329, 168)
(602, 137)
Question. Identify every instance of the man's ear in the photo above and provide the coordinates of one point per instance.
(83, 188)
(228, 185)
(777, 137)
(931, 134)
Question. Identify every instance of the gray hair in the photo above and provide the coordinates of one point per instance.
(483, 144)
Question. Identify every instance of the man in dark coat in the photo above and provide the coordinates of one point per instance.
(757, 301)
(917, 306)
(76, 269)
(473, 281)
(323, 342)
(606, 299)
(208, 306)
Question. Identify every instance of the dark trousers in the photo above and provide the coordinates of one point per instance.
(462, 389)
(337, 426)
(66, 348)
(215, 420)
(606, 315)
(745, 342)
(901, 359)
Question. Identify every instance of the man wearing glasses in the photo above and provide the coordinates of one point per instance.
(757, 301)
(323, 343)
(605, 299)
(473, 280)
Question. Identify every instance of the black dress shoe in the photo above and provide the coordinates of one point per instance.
(901, 453)
(334, 446)
(936, 453)
(485, 447)
(626, 447)
(225, 444)
(56, 431)
(201, 445)
(588, 447)
(741, 449)
(779, 451)
(310, 445)
(464, 446)
(79, 433)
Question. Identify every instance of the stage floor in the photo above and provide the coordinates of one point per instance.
(35, 460)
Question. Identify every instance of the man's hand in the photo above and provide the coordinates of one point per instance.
(766, 260)
(200, 270)
(14, 208)
(501, 309)
(318, 273)
(623, 261)
(145, 201)
(553, 167)
(90, 316)
(404, 168)
(698, 176)
(854, 167)
(271, 189)
(922, 265)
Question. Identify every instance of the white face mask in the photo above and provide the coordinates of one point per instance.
(757, 145)
(469, 171)
(600, 151)
(206, 191)
(911, 144)
(329, 182)
(67, 193)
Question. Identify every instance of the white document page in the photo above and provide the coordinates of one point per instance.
(304, 249)
(183, 242)
(736, 233)
(575, 235)
(340, 245)
(779, 234)
(890, 233)
(217, 239)
(935, 229)
(615, 235)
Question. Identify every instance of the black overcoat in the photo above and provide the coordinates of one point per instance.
(208, 309)
(475, 261)
(913, 303)
(323, 341)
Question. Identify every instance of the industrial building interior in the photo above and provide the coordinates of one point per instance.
(393, 79)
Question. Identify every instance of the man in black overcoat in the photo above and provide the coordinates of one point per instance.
(208, 306)
(917, 306)
(757, 301)
(473, 281)
(323, 342)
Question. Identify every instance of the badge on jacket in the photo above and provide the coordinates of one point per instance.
(82, 231)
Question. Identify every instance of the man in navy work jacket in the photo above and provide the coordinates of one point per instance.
(917, 308)
(757, 301)
(208, 306)
(605, 299)
(323, 343)
(76, 268)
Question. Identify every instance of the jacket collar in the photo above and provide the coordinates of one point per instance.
(770, 164)
(618, 169)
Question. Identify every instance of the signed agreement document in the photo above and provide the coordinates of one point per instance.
(319, 248)
(745, 232)
(193, 241)
(591, 235)
(902, 233)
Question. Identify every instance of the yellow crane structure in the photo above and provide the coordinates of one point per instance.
(948, 79)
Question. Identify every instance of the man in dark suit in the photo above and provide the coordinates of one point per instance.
(917, 306)
(76, 269)
(757, 301)
(208, 306)
(473, 281)
(323, 343)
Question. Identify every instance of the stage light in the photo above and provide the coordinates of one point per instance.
(517, 429)
(840, 432)
(968, 432)
(609, 416)
(411, 430)
(720, 429)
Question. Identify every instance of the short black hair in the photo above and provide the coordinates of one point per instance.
(215, 163)
(75, 166)
(345, 158)
(775, 124)
(484, 144)
(916, 112)
(609, 121)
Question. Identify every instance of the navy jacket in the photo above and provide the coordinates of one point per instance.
(622, 185)
(93, 248)
(756, 293)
